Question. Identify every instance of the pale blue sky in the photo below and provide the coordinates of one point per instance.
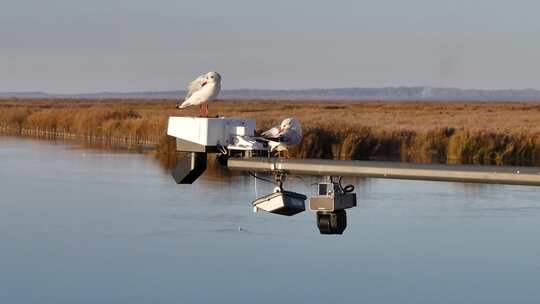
(69, 46)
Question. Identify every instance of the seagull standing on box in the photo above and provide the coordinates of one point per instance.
(286, 135)
(202, 90)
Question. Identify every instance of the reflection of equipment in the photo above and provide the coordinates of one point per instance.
(281, 202)
(330, 205)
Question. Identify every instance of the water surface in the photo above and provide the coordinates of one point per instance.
(90, 226)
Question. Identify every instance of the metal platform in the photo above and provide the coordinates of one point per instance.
(237, 147)
(528, 176)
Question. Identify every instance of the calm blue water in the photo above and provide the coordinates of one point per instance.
(86, 226)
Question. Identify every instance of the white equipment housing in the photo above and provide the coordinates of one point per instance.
(283, 202)
(209, 132)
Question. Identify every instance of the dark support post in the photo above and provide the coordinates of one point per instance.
(189, 168)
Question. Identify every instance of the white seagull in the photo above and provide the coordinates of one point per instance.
(287, 134)
(203, 89)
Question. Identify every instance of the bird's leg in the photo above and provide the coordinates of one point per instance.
(203, 110)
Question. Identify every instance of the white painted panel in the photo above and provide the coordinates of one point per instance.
(209, 131)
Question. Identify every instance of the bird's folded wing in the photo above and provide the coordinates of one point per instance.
(194, 86)
(272, 133)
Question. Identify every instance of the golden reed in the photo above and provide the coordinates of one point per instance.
(501, 133)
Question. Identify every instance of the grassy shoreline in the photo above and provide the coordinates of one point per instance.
(450, 132)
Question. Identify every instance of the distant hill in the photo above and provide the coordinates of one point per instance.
(385, 93)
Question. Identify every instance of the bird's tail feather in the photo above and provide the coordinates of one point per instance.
(181, 105)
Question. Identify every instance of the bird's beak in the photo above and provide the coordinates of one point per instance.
(204, 83)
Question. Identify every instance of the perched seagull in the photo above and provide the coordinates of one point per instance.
(203, 89)
(287, 134)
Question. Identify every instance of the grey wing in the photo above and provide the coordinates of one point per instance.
(291, 137)
(194, 86)
(272, 133)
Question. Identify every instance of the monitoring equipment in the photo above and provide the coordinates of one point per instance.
(281, 202)
(332, 222)
(235, 138)
(197, 136)
(247, 146)
(331, 197)
(330, 203)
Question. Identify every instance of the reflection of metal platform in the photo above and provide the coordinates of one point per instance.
(284, 203)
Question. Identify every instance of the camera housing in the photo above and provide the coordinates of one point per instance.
(330, 204)
(332, 222)
(331, 198)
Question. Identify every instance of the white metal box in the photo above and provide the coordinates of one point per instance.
(284, 203)
(210, 131)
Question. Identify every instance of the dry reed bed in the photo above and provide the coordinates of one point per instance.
(454, 132)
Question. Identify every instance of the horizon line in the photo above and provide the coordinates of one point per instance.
(262, 89)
